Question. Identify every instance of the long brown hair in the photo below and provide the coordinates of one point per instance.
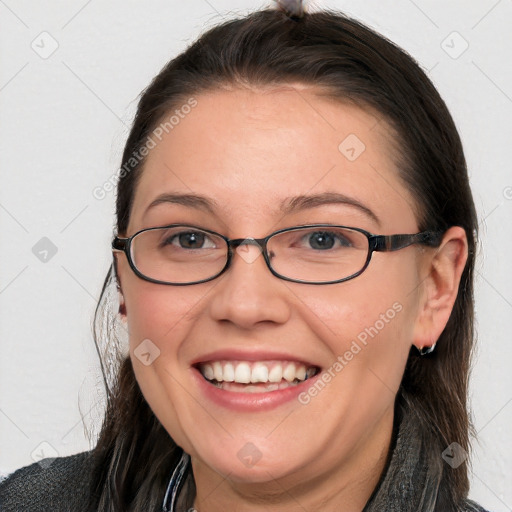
(135, 456)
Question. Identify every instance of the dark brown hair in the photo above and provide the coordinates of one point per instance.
(345, 59)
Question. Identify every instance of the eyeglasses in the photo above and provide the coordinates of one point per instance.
(180, 254)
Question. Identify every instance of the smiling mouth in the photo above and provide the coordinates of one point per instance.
(256, 376)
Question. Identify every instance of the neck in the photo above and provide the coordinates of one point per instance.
(345, 485)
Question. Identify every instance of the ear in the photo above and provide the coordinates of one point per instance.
(441, 273)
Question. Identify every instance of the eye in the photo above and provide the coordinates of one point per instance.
(322, 240)
(189, 240)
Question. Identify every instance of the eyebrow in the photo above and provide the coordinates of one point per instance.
(303, 202)
(190, 200)
(287, 206)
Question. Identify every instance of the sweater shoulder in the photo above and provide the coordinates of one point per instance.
(60, 484)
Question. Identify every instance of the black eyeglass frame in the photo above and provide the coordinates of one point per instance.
(376, 243)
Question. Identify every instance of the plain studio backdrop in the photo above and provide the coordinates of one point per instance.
(70, 75)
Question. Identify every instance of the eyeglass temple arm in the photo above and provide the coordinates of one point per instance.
(395, 242)
(119, 244)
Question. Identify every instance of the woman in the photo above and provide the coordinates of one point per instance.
(294, 258)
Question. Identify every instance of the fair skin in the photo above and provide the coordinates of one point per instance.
(248, 150)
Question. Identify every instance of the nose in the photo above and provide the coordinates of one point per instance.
(248, 294)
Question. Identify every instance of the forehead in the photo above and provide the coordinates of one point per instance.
(250, 149)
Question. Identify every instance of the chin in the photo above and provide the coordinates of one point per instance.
(245, 461)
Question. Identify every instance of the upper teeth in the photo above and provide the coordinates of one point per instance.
(261, 371)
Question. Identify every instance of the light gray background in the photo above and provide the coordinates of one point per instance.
(64, 121)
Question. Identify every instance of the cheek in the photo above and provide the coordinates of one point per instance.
(159, 319)
(369, 318)
(160, 312)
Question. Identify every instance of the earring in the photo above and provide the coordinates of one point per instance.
(427, 350)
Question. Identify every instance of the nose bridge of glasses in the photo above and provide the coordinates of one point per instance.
(240, 242)
(242, 246)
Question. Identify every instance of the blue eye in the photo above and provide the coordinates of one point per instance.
(322, 240)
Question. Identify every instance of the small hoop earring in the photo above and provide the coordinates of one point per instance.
(427, 350)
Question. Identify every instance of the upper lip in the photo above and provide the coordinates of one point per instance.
(252, 355)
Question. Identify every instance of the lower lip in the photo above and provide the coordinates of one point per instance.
(250, 402)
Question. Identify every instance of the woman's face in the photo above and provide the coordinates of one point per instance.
(247, 153)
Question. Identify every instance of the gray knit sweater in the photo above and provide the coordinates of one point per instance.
(61, 485)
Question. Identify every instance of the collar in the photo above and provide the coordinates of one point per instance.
(175, 483)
